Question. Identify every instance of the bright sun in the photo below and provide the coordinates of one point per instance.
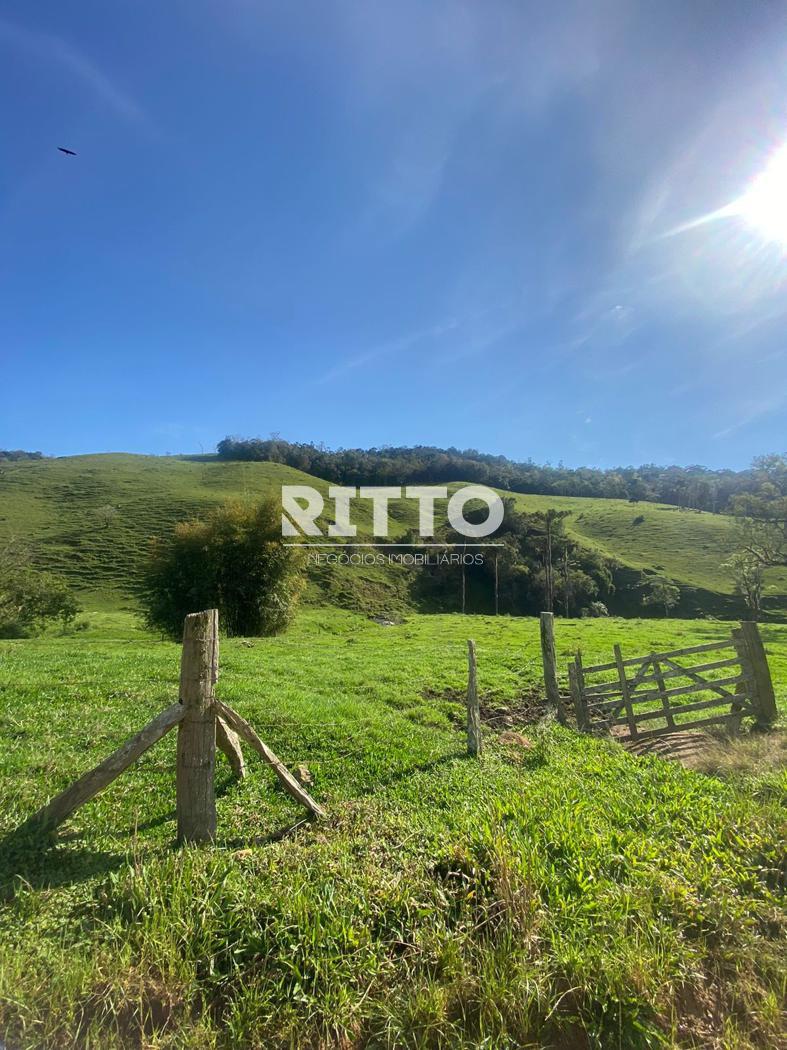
(764, 205)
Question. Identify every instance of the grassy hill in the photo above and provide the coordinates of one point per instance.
(688, 546)
(91, 517)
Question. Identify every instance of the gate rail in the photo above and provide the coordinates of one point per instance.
(626, 701)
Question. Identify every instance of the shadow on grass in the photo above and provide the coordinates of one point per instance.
(45, 859)
(240, 842)
(36, 859)
(222, 788)
(418, 767)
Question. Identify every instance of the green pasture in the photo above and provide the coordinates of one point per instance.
(558, 893)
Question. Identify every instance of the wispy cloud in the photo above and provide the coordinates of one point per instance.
(391, 348)
(50, 49)
(431, 74)
(446, 343)
(752, 411)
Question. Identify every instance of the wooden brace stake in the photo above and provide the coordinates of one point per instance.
(88, 786)
(227, 741)
(288, 781)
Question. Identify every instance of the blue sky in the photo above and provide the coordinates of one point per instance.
(367, 223)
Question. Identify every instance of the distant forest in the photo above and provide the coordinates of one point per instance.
(693, 487)
(18, 453)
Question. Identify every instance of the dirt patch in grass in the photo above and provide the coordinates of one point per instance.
(680, 747)
(495, 713)
(719, 754)
(146, 1008)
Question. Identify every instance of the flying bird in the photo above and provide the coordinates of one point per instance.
(70, 152)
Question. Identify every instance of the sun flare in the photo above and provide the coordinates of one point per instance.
(764, 205)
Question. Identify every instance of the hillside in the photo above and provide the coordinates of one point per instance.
(688, 546)
(90, 517)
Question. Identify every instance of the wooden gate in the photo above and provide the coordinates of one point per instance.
(662, 691)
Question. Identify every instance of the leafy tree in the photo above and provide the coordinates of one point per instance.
(107, 515)
(549, 528)
(748, 576)
(30, 598)
(513, 578)
(761, 535)
(762, 513)
(661, 592)
(235, 561)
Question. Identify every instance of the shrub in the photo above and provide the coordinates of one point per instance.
(660, 592)
(234, 561)
(29, 598)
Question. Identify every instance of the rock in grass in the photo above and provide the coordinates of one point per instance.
(516, 738)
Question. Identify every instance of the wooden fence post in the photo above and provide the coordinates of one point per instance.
(549, 660)
(196, 801)
(578, 698)
(204, 723)
(473, 709)
(763, 685)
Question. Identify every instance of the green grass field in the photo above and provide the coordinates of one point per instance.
(90, 517)
(566, 894)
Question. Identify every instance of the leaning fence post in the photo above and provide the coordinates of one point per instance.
(625, 692)
(549, 660)
(473, 710)
(763, 685)
(747, 688)
(196, 801)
